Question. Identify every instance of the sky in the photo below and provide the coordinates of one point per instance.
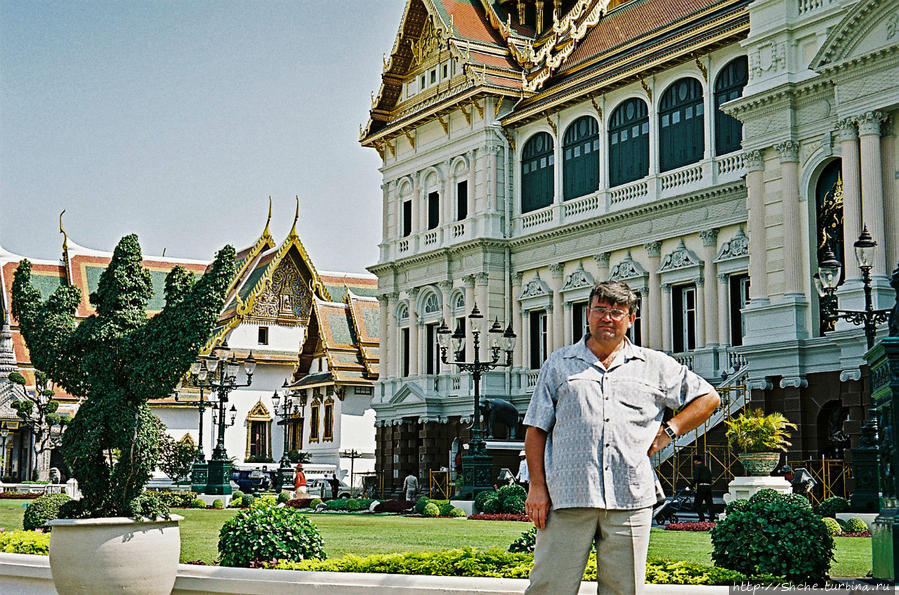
(177, 120)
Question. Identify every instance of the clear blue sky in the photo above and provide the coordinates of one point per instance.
(177, 120)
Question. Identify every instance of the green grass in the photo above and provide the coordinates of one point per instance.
(365, 535)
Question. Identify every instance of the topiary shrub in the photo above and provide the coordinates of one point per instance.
(236, 502)
(512, 506)
(456, 512)
(218, 504)
(265, 532)
(525, 542)
(833, 527)
(35, 543)
(394, 506)
(765, 495)
(491, 506)
(753, 541)
(430, 510)
(844, 526)
(481, 498)
(314, 503)
(247, 500)
(798, 500)
(736, 506)
(283, 497)
(508, 494)
(198, 503)
(420, 505)
(236, 495)
(831, 506)
(43, 509)
(857, 525)
(176, 499)
(446, 509)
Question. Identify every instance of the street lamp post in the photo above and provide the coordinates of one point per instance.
(199, 472)
(223, 372)
(476, 466)
(4, 433)
(828, 278)
(288, 408)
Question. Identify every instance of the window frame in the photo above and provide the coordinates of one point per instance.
(728, 128)
(681, 143)
(537, 189)
(624, 151)
(580, 158)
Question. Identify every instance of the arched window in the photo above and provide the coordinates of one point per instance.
(681, 126)
(628, 142)
(432, 304)
(537, 172)
(580, 158)
(328, 430)
(729, 85)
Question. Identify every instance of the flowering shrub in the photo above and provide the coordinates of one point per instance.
(268, 532)
(500, 517)
(19, 495)
(25, 542)
(859, 534)
(700, 526)
(300, 503)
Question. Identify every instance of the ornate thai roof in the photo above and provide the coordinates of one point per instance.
(337, 334)
(365, 314)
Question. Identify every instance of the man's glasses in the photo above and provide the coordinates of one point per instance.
(613, 313)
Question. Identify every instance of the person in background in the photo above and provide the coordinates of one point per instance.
(410, 486)
(335, 485)
(299, 480)
(702, 482)
(523, 478)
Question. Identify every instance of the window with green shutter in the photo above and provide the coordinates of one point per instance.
(681, 127)
(537, 172)
(580, 158)
(728, 86)
(629, 142)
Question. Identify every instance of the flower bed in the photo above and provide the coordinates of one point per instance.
(500, 517)
(25, 542)
(694, 526)
(394, 506)
(20, 495)
(859, 534)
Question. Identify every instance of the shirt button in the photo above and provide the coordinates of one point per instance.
(607, 419)
(607, 445)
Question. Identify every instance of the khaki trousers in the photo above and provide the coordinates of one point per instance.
(562, 549)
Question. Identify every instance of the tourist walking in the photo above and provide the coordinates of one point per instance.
(522, 477)
(593, 422)
(299, 480)
(335, 485)
(702, 483)
(410, 486)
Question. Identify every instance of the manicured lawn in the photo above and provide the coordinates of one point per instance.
(365, 535)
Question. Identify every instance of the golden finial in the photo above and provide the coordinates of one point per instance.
(296, 217)
(65, 241)
(268, 220)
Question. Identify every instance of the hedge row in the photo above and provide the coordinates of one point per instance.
(25, 542)
(19, 495)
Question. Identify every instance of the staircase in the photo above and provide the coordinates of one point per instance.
(734, 397)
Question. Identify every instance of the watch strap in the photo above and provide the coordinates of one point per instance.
(669, 430)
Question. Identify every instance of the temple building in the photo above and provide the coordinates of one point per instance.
(315, 331)
(707, 152)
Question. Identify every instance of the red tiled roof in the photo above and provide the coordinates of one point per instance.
(630, 21)
(470, 22)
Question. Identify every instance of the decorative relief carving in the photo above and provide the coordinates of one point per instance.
(680, 258)
(847, 129)
(286, 295)
(709, 237)
(653, 249)
(556, 269)
(754, 160)
(737, 247)
(577, 279)
(535, 288)
(788, 151)
(869, 122)
(892, 26)
(627, 269)
(767, 58)
(602, 259)
(431, 40)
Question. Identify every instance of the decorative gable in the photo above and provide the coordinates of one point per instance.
(627, 269)
(681, 265)
(577, 285)
(734, 254)
(259, 413)
(868, 28)
(286, 296)
(535, 295)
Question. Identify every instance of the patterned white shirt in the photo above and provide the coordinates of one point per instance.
(601, 422)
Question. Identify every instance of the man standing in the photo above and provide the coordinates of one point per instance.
(523, 478)
(335, 485)
(702, 483)
(410, 486)
(593, 422)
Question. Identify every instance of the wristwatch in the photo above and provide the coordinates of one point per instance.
(669, 430)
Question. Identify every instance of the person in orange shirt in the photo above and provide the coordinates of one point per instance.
(299, 480)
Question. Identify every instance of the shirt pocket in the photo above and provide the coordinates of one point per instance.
(579, 397)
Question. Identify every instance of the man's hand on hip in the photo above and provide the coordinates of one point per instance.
(660, 442)
(537, 505)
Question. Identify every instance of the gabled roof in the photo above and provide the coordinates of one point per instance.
(365, 314)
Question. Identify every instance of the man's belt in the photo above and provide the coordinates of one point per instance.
(703, 484)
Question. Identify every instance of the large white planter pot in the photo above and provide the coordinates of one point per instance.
(114, 555)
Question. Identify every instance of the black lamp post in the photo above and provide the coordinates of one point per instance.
(476, 466)
(4, 433)
(223, 379)
(828, 278)
(288, 409)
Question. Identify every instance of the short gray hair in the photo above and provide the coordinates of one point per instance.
(615, 292)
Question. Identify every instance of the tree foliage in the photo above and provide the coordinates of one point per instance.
(39, 411)
(118, 359)
(176, 458)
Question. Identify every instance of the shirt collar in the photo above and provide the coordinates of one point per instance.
(628, 351)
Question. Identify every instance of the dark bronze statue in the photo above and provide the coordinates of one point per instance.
(494, 410)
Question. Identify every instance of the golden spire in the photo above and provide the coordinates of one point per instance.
(265, 231)
(296, 217)
(65, 236)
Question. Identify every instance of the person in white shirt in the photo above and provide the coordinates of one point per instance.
(523, 478)
(410, 486)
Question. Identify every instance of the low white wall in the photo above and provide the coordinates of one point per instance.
(30, 575)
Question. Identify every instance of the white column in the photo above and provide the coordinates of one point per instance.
(558, 332)
(446, 292)
(469, 304)
(723, 310)
(602, 266)
(392, 365)
(482, 280)
(852, 191)
(384, 354)
(666, 317)
(700, 312)
(414, 355)
(890, 208)
(525, 340)
(385, 209)
(710, 286)
(872, 185)
(446, 196)
(417, 192)
(758, 236)
(789, 195)
(516, 320)
(653, 314)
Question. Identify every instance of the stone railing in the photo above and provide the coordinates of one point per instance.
(431, 238)
(729, 164)
(628, 192)
(681, 177)
(536, 218)
(458, 230)
(531, 379)
(807, 6)
(578, 206)
(403, 246)
(685, 358)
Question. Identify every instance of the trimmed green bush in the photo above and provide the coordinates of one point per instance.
(446, 509)
(218, 504)
(25, 542)
(765, 495)
(457, 512)
(525, 543)
(736, 506)
(236, 494)
(265, 533)
(779, 538)
(857, 525)
(43, 509)
(491, 506)
(844, 526)
(349, 504)
(430, 510)
(833, 527)
(508, 496)
(799, 500)
(283, 496)
(198, 503)
(236, 502)
(420, 505)
(176, 499)
(314, 503)
(481, 498)
(831, 506)
(513, 506)
(247, 500)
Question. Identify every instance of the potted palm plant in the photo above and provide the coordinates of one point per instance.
(759, 439)
(118, 359)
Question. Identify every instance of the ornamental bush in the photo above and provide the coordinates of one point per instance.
(265, 532)
(857, 525)
(430, 510)
(481, 498)
(509, 493)
(736, 506)
(831, 506)
(283, 497)
(218, 504)
(844, 526)
(314, 503)
(833, 527)
(456, 512)
(25, 542)
(236, 495)
(176, 499)
(525, 542)
(513, 506)
(420, 505)
(446, 509)
(247, 500)
(799, 500)
(198, 503)
(779, 538)
(43, 509)
(765, 495)
(491, 506)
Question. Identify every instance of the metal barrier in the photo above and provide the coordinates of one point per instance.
(440, 485)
